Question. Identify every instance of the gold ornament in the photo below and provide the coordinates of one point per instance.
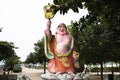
(49, 11)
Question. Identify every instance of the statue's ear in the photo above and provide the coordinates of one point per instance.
(67, 33)
(56, 33)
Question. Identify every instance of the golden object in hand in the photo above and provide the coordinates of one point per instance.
(49, 11)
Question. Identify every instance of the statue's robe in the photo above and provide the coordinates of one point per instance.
(58, 62)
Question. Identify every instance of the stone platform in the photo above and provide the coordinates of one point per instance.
(64, 76)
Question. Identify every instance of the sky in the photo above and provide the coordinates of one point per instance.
(23, 23)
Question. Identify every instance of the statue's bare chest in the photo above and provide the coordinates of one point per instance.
(63, 39)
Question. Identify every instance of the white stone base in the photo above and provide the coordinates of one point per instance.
(65, 76)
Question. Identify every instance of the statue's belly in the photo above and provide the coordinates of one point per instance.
(62, 48)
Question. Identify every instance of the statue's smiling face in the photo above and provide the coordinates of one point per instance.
(62, 30)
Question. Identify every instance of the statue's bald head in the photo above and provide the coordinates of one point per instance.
(62, 24)
(65, 28)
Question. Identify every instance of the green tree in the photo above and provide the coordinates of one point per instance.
(8, 55)
(6, 50)
(38, 56)
(39, 49)
(31, 58)
(101, 29)
(11, 61)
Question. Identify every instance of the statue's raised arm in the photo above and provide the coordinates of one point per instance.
(48, 26)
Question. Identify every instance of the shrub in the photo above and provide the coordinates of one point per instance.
(17, 69)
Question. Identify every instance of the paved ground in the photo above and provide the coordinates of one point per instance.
(34, 74)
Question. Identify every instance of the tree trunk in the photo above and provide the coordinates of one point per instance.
(101, 70)
(119, 69)
(97, 70)
(112, 69)
(45, 66)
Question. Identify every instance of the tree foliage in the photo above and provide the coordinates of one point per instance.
(39, 49)
(65, 5)
(38, 56)
(31, 58)
(6, 50)
(98, 32)
(8, 55)
(11, 61)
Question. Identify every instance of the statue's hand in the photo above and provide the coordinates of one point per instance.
(75, 55)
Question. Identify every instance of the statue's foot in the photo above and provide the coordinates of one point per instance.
(58, 73)
(71, 73)
(49, 76)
